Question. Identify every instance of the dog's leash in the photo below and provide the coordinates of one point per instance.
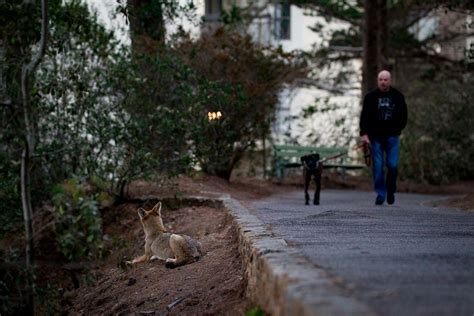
(367, 154)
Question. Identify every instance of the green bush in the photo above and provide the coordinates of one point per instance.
(10, 202)
(437, 144)
(15, 284)
(78, 223)
(256, 311)
(169, 100)
(242, 80)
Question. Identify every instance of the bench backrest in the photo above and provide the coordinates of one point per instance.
(292, 153)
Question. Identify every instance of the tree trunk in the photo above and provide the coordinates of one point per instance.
(147, 26)
(224, 173)
(27, 71)
(382, 35)
(375, 37)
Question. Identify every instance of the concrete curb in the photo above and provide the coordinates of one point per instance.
(280, 279)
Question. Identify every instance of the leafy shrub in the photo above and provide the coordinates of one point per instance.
(10, 204)
(79, 125)
(242, 80)
(78, 223)
(437, 143)
(256, 311)
(17, 282)
(170, 97)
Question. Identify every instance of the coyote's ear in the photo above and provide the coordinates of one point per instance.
(157, 208)
(141, 213)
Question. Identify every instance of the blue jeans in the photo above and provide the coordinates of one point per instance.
(385, 150)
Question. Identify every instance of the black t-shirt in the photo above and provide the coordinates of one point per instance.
(383, 113)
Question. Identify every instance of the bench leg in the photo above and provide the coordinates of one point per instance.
(279, 172)
(343, 175)
(317, 179)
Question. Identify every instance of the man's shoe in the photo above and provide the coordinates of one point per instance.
(379, 200)
(390, 198)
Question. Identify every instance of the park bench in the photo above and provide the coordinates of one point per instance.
(288, 156)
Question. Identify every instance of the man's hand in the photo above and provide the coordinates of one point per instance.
(365, 139)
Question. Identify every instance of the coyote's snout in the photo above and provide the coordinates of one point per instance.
(175, 249)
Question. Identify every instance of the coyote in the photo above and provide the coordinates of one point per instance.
(175, 249)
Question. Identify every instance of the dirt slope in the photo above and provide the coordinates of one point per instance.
(213, 285)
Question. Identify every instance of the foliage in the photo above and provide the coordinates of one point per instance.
(80, 121)
(437, 145)
(10, 210)
(18, 31)
(13, 290)
(170, 9)
(219, 144)
(21, 31)
(242, 80)
(80, 126)
(225, 72)
(78, 222)
(158, 102)
(330, 9)
(256, 311)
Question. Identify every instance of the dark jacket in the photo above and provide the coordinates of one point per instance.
(383, 113)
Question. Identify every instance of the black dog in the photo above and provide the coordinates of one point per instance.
(312, 167)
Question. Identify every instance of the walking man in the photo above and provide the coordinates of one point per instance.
(383, 117)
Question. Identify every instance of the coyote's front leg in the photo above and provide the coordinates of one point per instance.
(146, 256)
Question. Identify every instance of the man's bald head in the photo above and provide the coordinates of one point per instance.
(384, 80)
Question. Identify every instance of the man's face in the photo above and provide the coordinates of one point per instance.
(384, 80)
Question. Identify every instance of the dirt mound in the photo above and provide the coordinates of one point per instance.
(213, 285)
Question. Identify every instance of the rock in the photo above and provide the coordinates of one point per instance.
(131, 281)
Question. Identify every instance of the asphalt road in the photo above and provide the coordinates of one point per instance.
(405, 259)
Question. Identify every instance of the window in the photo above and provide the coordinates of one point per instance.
(212, 16)
(282, 20)
(213, 7)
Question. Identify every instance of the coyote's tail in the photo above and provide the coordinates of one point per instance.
(175, 264)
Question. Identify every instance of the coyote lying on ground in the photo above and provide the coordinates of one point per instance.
(175, 249)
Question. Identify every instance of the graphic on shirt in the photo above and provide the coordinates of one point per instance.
(385, 108)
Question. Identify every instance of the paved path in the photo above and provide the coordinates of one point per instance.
(405, 259)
